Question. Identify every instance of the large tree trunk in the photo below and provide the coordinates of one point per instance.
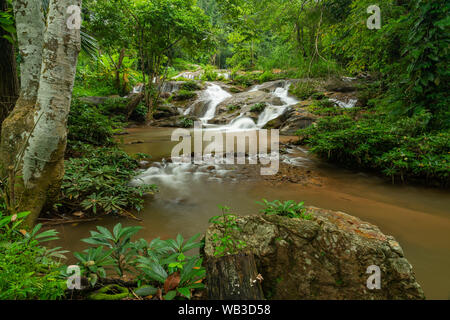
(38, 124)
(233, 277)
(9, 84)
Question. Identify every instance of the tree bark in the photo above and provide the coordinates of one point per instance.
(118, 67)
(9, 84)
(233, 277)
(38, 124)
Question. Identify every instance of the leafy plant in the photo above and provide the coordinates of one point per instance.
(186, 122)
(226, 241)
(28, 270)
(184, 95)
(288, 208)
(165, 263)
(93, 263)
(232, 108)
(100, 185)
(259, 107)
(191, 86)
(401, 149)
(119, 241)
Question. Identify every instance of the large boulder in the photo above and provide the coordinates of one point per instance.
(326, 257)
(242, 103)
(298, 119)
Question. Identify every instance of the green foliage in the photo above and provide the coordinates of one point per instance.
(89, 125)
(93, 263)
(119, 241)
(8, 25)
(398, 148)
(289, 209)
(183, 95)
(325, 107)
(99, 185)
(424, 85)
(186, 122)
(191, 86)
(166, 263)
(159, 265)
(302, 89)
(209, 74)
(259, 107)
(28, 270)
(232, 108)
(226, 242)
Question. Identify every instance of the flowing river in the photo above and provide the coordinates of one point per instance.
(189, 196)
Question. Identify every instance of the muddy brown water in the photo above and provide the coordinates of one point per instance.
(417, 217)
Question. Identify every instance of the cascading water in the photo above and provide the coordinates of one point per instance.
(215, 95)
(272, 112)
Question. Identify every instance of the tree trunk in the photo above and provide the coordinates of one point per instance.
(9, 84)
(119, 66)
(134, 101)
(40, 117)
(233, 277)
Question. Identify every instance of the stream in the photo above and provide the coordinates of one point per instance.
(190, 194)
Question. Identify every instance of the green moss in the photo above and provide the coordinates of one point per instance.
(110, 292)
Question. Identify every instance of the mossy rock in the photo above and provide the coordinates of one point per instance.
(110, 292)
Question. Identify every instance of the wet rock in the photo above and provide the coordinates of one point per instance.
(298, 119)
(340, 85)
(326, 257)
(136, 142)
(179, 121)
(242, 103)
(272, 85)
(144, 164)
(165, 111)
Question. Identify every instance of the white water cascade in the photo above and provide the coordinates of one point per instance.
(272, 112)
(215, 95)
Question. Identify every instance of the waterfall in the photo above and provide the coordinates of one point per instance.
(215, 95)
(242, 123)
(272, 112)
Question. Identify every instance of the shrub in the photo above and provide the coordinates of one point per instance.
(397, 148)
(159, 265)
(289, 209)
(232, 108)
(184, 95)
(101, 184)
(140, 113)
(87, 124)
(186, 122)
(325, 107)
(28, 270)
(210, 74)
(302, 90)
(259, 107)
(191, 86)
(226, 241)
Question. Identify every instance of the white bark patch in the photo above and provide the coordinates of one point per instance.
(61, 48)
(30, 30)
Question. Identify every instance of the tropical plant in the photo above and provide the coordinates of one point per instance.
(225, 241)
(288, 208)
(119, 241)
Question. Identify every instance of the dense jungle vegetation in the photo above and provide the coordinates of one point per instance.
(402, 130)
